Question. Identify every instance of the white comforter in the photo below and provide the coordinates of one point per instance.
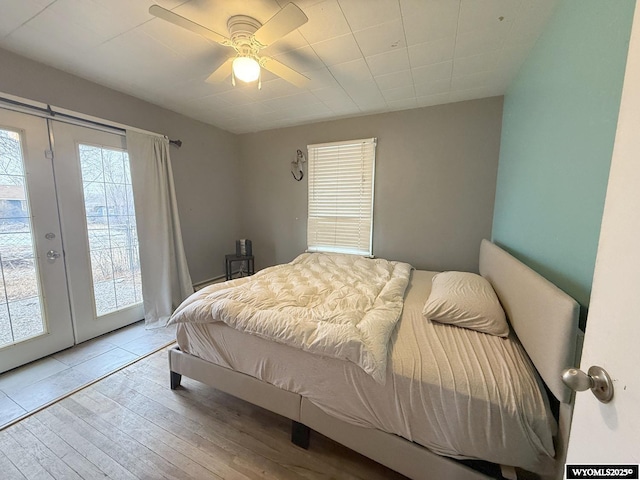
(340, 306)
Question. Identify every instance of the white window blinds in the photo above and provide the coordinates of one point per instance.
(341, 176)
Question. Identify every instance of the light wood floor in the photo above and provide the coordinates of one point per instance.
(131, 425)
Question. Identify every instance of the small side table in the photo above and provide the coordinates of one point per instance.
(246, 260)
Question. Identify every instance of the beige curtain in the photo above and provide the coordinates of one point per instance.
(165, 274)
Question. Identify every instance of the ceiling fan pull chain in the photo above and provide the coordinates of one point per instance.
(233, 78)
(260, 80)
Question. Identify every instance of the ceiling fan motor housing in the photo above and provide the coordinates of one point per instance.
(241, 29)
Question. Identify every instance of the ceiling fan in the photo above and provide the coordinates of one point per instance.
(247, 36)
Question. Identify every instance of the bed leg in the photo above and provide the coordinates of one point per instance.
(300, 434)
(175, 380)
(508, 472)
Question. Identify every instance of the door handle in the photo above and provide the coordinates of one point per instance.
(52, 255)
(597, 379)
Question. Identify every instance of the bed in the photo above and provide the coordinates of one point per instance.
(441, 380)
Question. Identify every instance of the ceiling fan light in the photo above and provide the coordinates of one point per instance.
(246, 69)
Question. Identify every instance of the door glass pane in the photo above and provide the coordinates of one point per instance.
(20, 307)
(111, 224)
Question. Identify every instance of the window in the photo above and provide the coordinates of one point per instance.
(341, 176)
(111, 226)
(21, 312)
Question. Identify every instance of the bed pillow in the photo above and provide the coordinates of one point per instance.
(466, 300)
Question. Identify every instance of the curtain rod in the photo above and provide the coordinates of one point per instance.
(49, 112)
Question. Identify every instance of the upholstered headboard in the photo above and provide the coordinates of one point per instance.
(543, 316)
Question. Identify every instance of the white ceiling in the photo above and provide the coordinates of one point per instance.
(362, 56)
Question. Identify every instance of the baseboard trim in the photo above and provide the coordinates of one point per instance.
(208, 281)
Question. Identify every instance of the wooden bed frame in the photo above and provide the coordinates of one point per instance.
(544, 318)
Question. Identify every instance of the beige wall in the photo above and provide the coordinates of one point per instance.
(434, 191)
(205, 167)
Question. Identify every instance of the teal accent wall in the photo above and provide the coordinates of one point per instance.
(558, 130)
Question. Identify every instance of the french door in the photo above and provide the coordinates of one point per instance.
(35, 316)
(99, 229)
(69, 267)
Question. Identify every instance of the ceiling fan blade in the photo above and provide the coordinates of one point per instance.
(222, 72)
(286, 20)
(169, 16)
(284, 72)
